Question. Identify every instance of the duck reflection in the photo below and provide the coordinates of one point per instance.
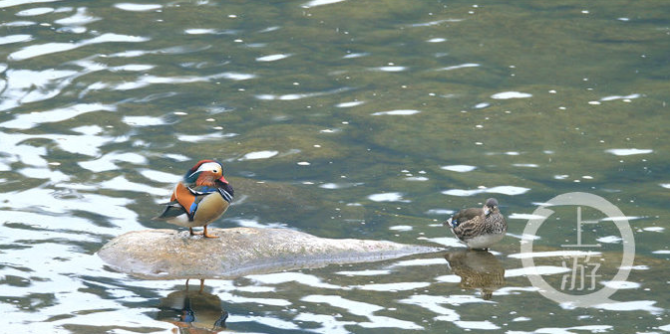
(193, 311)
(478, 269)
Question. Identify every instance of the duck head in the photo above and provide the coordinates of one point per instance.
(491, 206)
(205, 173)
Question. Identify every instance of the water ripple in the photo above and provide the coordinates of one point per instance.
(628, 151)
(456, 67)
(43, 200)
(434, 23)
(206, 31)
(510, 95)
(18, 24)
(35, 11)
(315, 3)
(401, 112)
(142, 121)
(204, 137)
(33, 51)
(259, 155)
(362, 309)
(159, 176)
(10, 39)
(148, 80)
(267, 321)
(11, 3)
(304, 279)
(299, 96)
(366, 272)
(619, 97)
(274, 57)
(390, 68)
(80, 18)
(31, 155)
(27, 121)
(330, 323)
(632, 306)
(355, 55)
(349, 104)
(459, 168)
(108, 161)
(121, 183)
(387, 197)
(136, 7)
(25, 86)
(506, 190)
(393, 287)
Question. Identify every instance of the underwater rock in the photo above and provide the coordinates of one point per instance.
(169, 254)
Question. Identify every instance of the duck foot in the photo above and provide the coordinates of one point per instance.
(204, 233)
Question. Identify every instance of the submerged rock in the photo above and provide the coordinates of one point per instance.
(169, 254)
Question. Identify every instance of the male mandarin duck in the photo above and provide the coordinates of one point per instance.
(479, 228)
(200, 198)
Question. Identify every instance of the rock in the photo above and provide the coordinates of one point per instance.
(169, 254)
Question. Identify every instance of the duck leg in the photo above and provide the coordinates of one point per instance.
(206, 235)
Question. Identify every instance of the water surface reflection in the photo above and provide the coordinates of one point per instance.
(193, 311)
(477, 270)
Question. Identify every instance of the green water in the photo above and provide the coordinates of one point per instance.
(342, 120)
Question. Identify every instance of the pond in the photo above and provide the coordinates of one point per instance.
(342, 119)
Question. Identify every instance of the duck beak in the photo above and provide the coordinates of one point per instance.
(487, 211)
(223, 179)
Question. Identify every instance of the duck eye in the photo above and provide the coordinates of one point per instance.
(215, 171)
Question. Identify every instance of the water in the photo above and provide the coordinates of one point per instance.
(350, 119)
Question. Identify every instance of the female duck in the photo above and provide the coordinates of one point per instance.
(479, 228)
(200, 198)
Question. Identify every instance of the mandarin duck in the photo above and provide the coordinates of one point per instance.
(200, 198)
(479, 228)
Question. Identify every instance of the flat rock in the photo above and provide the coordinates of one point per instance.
(169, 254)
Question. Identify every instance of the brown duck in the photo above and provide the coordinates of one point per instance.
(479, 228)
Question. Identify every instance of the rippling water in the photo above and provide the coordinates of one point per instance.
(345, 119)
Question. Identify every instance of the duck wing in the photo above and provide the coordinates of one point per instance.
(466, 215)
(185, 200)
(172, 210)
(468, 223)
